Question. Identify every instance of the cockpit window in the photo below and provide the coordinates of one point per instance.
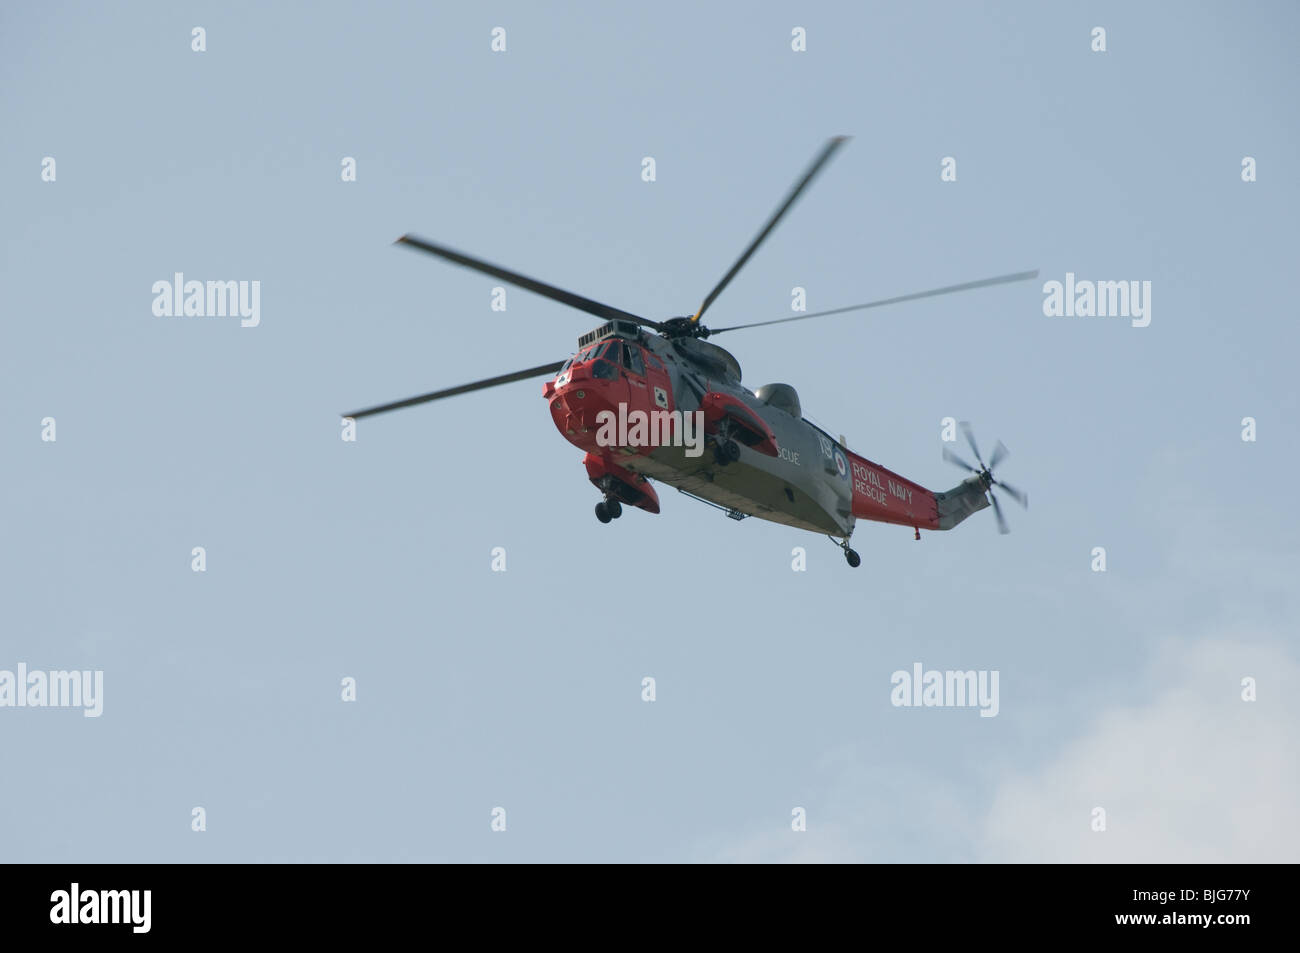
(632, 360)
(620, 354)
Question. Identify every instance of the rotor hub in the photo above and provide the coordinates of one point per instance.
(683, 328)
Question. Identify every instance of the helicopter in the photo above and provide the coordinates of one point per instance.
(654, 401)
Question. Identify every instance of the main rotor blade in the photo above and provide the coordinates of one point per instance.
(462, 389)
(607, 312)
(950, 289)
(802, 184)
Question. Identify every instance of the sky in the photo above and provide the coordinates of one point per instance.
(1160, 691)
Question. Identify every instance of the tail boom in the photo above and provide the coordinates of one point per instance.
(885, 497)
(963, 500)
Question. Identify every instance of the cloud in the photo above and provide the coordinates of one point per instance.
(1186, 771)
(1195, 774)
(827, 845)
(860, 810)
(1189, 772)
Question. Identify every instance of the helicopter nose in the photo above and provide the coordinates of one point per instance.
(576, 406)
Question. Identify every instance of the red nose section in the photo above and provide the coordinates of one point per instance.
(576, 399)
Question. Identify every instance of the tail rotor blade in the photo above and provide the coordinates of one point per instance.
(1001, 520)
(970, 439)
(985, 474)
(953, 458)
(1018, 495)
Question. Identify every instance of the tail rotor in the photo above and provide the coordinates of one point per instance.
(985, 473)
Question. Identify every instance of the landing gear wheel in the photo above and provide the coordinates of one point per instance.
(726, 452)
(853, 558)
(602, 512)
(614, 508)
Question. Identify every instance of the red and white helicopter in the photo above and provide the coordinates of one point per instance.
(653, 401)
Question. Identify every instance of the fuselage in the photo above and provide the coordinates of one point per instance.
(787, 469)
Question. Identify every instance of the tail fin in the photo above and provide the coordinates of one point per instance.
(963, 500)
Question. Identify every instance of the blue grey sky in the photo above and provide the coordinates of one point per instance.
(523, 689)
